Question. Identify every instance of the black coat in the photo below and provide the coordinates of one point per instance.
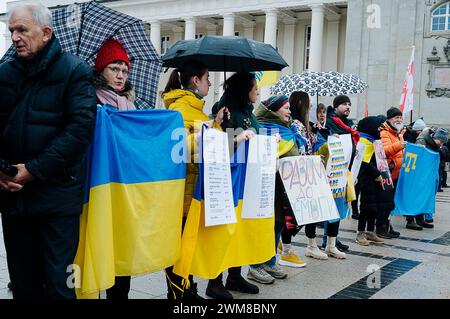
(373, 197)
(47, 117)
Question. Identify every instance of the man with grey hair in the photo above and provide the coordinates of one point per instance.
(47, 116)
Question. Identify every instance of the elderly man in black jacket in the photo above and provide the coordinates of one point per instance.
(47, 116)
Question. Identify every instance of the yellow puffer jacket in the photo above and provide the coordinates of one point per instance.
(191, 109)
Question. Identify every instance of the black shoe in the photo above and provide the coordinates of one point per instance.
(424, 224)
(429, 221)
(216, 290)
(445, 186)
(420, 220)
(383, 232)
(395, 234)
(241, 285)
(191, 294)
(355, 215)
(323, 246)
(411, 224)
(440, 190)
(340, 246)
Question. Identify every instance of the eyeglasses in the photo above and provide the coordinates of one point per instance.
(116, 70)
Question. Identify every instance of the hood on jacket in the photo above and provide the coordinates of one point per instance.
(263, 114)
(371, 125)
(174, 95)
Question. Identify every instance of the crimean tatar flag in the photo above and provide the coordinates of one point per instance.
(407, 97)
(418, 181)
(131, 220)
(207, 251)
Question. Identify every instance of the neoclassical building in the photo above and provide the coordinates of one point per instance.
(369, 38)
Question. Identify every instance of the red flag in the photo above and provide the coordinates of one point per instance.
(406, 99)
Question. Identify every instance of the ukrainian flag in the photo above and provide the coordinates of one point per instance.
(131, 220)
(207, 251)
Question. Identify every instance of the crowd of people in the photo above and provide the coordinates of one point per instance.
(47, 116)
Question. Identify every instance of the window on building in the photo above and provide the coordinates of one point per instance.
(440, 18)
(307, 47)
(199, 35)
(165, 45)
(236, 33)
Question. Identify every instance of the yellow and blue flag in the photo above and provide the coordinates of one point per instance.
(418, 181)
(207, 251)
(266, 78)
(132, 214)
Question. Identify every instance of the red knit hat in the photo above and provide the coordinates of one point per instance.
(112, 50)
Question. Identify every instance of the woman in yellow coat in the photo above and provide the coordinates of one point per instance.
(184, 92)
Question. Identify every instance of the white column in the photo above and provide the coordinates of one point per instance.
(155, 34)
(270, 31)
(288, 44)
(332, 48)
(315, 55)
(249, 30)
(270, 37)
(228, 24)
(189, 32)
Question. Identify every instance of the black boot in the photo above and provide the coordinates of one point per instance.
(355, 215)
(238, 283)
(383, 231)
(216, 290)
(395, 234)
(411, 224)
(420, 220)
(340, 246)
(191, 294)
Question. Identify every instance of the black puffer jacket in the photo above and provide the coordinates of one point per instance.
(373, 198)
(47, 116)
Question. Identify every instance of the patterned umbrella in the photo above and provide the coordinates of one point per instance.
(320, 84)
(83, 28)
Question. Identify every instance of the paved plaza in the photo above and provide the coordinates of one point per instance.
(416, 265)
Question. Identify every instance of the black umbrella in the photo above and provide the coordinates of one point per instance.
(225, 53)
(83, 28)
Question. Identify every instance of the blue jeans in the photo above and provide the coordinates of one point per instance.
(279, 226)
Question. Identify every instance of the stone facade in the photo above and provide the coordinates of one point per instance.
(369, 38)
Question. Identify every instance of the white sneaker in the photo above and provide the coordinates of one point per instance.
(260, 275)
(331, 249)
(275, 271)
(313, 251)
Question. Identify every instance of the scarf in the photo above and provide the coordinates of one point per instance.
(117, 101)
(354, 133)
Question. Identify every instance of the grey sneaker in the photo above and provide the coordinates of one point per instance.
(260, 275)
(275, 271)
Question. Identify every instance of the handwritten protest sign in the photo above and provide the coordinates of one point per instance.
(219, 204)
(337, 166)
(383, 166)
(305, 181)
(357, 161)
(259, 189)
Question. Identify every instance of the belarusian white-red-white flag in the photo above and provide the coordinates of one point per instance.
(407, 98)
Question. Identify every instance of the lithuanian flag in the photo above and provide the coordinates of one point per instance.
(131, 220)
(208, 251)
